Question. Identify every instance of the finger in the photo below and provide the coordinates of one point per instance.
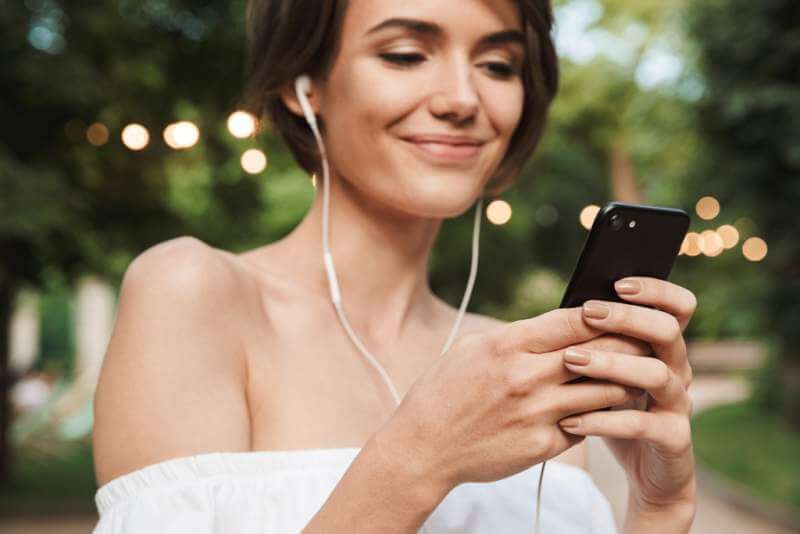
(618, 343)
(668, 432)
(530, 372)
(591, 395)
(666, 296)
(649, 374)
(658, 328)
(549, 331)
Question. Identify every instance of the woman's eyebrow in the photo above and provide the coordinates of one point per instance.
(430, 29)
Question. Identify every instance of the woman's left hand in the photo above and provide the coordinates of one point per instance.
(653, 444)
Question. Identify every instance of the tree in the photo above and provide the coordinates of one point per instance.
(750, 118)
(71, 207)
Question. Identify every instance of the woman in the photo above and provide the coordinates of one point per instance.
(233, 399)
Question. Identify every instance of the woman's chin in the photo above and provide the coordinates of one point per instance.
(442, 203)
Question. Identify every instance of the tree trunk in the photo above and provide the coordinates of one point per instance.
(7, 293)
(624, 187)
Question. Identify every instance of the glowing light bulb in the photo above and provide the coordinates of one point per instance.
(253, 161)
(97, 134)
(707, 208)
(241, 124)
(135, 136)
(588, 215)
(498, 212)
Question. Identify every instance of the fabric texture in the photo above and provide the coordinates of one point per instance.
(280, 491)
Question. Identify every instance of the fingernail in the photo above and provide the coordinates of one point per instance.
(628, 287)
(596, 310)
(570, 423)
(577, 356)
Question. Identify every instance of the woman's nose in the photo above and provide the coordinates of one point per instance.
(456, 97)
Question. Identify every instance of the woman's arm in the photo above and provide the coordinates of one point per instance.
(384, 490)
(676, 518)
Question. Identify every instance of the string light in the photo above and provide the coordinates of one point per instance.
(241, 124)
(183, 134)
(498, 212)
(97, 134)
(707, 208)
(754, 249)
(712, 244)
(729, 235)
(253, 161)
(588, 215)
(135, 136)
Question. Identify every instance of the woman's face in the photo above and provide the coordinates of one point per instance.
(422, 99)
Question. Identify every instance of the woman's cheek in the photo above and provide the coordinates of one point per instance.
(506, 108)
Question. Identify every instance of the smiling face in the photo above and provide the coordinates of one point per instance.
(422, 99)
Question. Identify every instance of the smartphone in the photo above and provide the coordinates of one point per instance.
(625, 240)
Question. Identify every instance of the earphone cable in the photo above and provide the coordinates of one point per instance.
(335, 291)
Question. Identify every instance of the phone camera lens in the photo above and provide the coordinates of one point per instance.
(616, 221)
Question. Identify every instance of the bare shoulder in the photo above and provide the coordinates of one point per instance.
(172, 382)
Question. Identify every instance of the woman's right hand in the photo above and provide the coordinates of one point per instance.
(489, 407)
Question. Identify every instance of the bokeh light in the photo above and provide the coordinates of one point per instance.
(97, 134)
(712, 244)
(707, 208)
(183, 134)
(588, 215)
(498, 212)
(241, 124)
(135, 136)
(754, 249)
(729, 234)
(253, 161)
(694, 244)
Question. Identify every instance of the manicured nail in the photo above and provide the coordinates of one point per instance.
(577, 356)
(596, 310)
(570, 423)
(628, 287)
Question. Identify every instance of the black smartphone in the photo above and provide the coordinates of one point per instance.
(625, 240)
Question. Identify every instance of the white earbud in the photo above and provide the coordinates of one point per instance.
(302, 86)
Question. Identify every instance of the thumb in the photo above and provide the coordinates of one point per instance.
(549, 331)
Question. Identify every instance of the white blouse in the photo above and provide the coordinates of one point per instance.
(280, 491)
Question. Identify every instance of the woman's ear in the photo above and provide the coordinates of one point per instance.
(289, 97)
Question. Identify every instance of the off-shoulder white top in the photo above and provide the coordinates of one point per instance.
(280, 491)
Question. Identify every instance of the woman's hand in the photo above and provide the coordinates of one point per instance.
(653, 445)
(490, 406)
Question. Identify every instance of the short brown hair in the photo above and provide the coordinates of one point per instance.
(287, 38)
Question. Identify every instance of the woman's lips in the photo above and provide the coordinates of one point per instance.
(446, 150)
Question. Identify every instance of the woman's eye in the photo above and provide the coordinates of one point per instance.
(402, 59)
(500, 69)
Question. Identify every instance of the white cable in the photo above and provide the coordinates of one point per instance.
(536, 524)
(302, 87)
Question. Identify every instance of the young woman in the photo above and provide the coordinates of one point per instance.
(235, 398)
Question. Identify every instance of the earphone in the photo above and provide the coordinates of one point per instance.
(303, 89)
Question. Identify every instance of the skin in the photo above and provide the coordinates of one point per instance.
(300, 371)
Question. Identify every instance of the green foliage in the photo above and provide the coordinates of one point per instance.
(750, 118)
(80, 208)
(751, 446)
(56, 342)
(58, 482)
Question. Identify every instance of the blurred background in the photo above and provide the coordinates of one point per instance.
(120, 127)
